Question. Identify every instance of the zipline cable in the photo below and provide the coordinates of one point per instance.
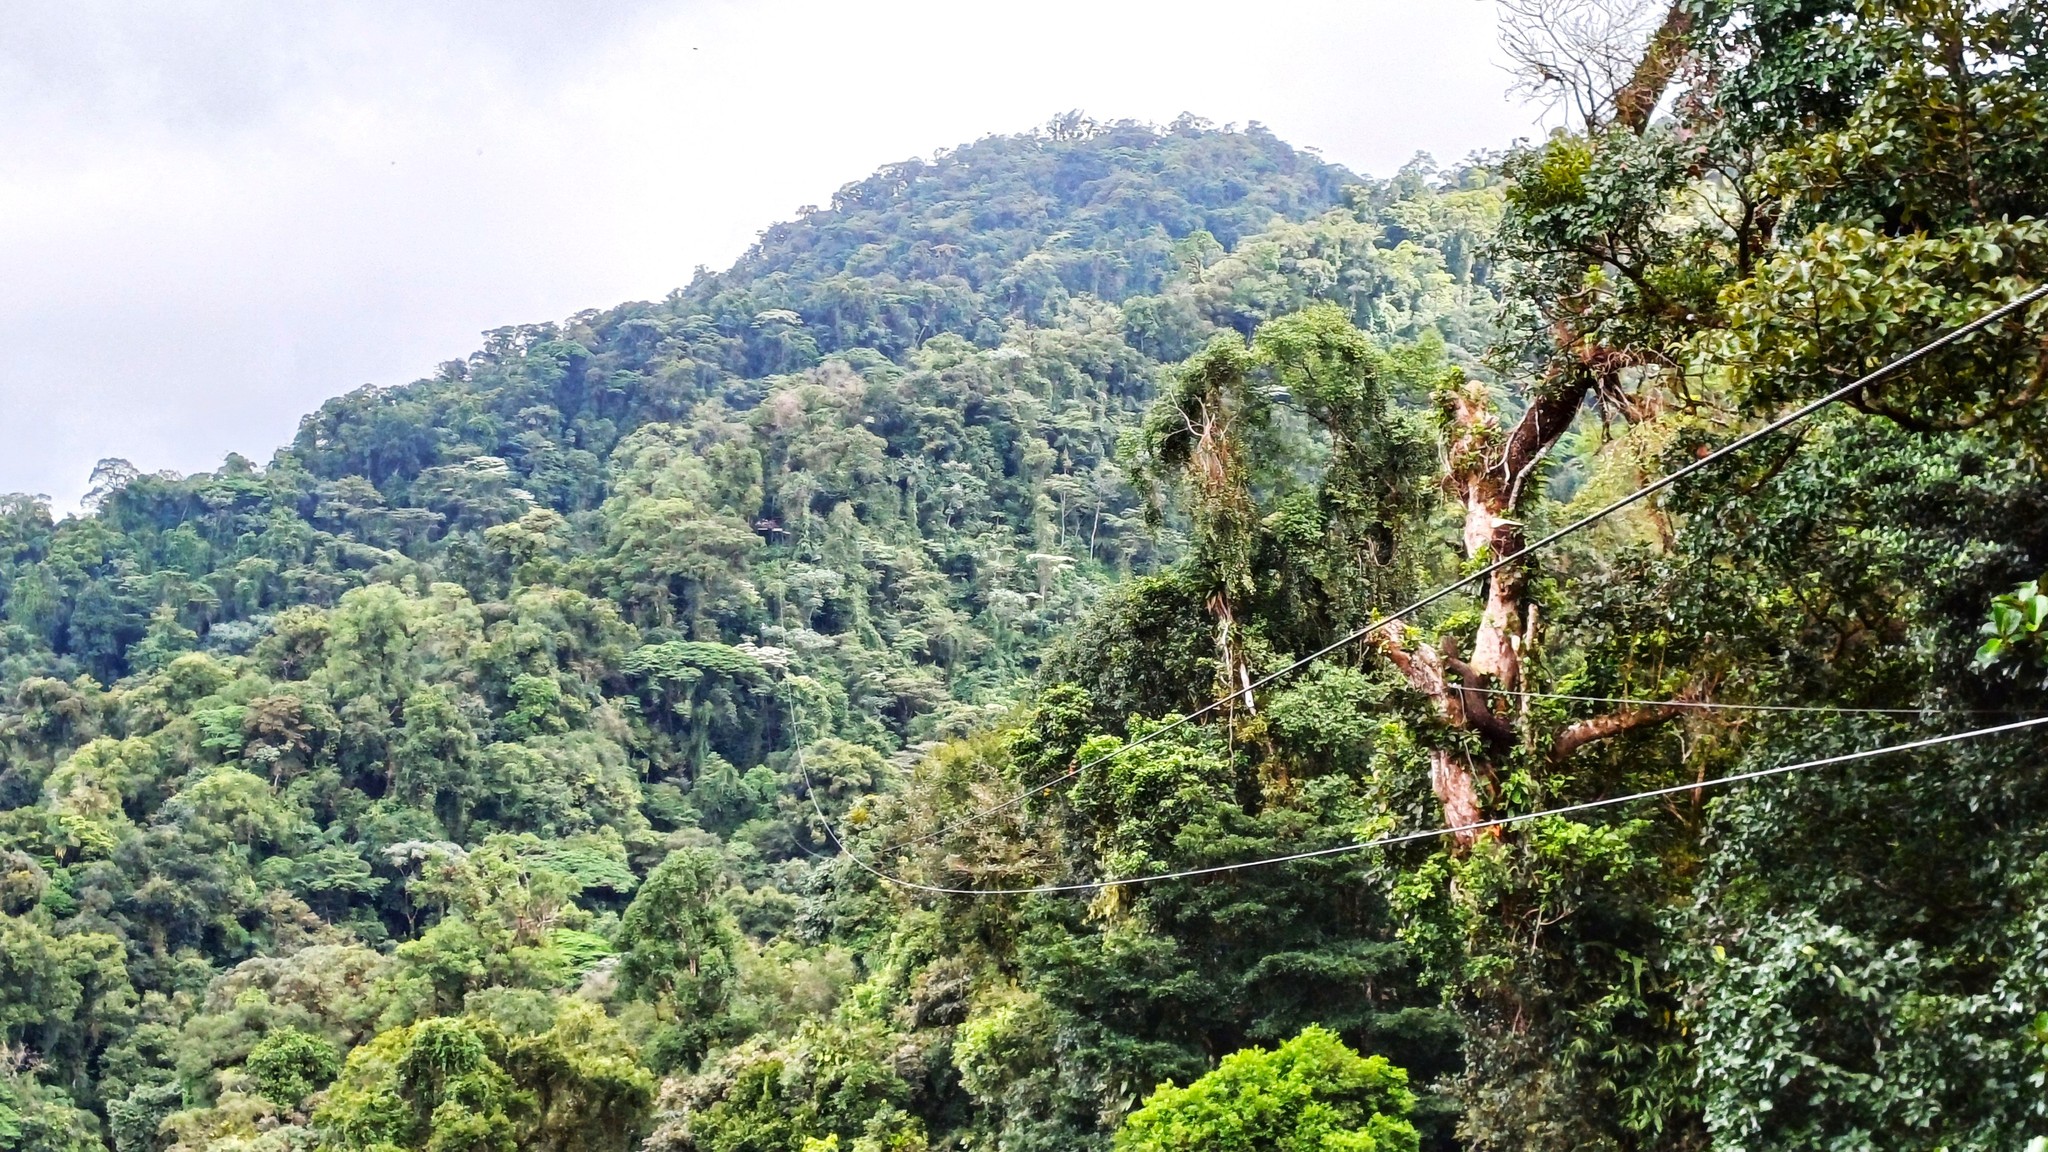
(1393, 840)
(1647, 490)
(1718, 706)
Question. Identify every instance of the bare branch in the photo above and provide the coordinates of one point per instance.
(1609, 60)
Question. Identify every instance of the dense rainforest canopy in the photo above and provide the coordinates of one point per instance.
(534, 755)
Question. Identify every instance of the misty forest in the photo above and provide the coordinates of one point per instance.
(825, 710)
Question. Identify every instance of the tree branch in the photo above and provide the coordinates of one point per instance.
(1472, 701)
(1661, 58)
(1549, 414)
(1580, 733)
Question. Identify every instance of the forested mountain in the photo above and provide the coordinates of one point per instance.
(653, 731)
(329, 748)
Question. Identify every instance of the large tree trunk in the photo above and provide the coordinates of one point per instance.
(1453, 776)
(1458, 791)
(1489, 471)
(1656, 69)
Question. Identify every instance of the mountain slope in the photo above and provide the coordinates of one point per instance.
(414, 709)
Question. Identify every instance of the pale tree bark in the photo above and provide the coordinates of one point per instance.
(1582, 732)
(1451, 778)
(1489, 468)
(1235, 673)
(1455, 777)
(1216, 465)
(1489, 472)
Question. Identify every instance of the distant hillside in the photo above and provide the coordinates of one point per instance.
(891, 426)
(1019, 223)
(1010, 234)
(545, 613)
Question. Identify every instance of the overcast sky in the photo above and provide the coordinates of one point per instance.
(216, 213)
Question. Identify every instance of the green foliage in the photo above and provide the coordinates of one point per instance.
(678, 950)
(833, 1080)
(2017, 626)
(288, 1065)
(1298, 530)
(434, 1084)
(439, 683)
(1148, 650)
(1311, 1092)
(1145, 803)
(135, 1120)
(471, 1082)
(61, 995)
(432, 785)
(34, 1118)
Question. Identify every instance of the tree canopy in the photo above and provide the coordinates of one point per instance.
(435, 784)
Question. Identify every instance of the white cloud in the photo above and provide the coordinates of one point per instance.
(215, 215)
